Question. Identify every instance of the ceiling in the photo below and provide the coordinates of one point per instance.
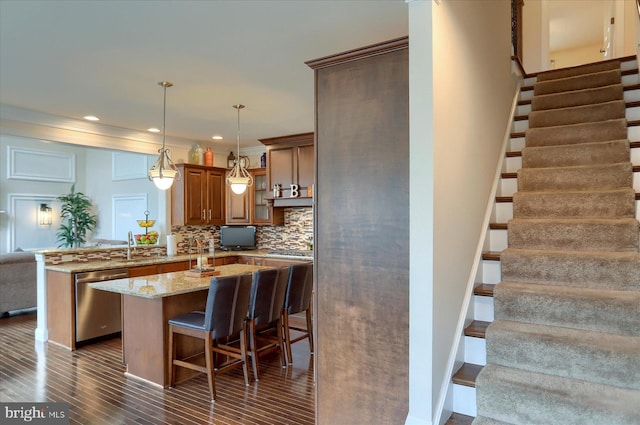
(105, 58)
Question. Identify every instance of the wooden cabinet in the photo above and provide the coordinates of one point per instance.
(158, 268)
(368, 149)
(199, 198)
(267, 261)
(253, 206)
(290, 160)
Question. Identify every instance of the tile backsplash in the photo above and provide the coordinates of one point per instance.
(296, 232)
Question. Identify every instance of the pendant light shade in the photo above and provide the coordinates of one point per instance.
(164, 171)
(239, 178)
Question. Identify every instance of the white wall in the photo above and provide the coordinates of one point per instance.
(472, 92)
(93, 176)
(577, 56)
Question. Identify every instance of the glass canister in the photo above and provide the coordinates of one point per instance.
(194, 157)
(200, 154)
(208, 157)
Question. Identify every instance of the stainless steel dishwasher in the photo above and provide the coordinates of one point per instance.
(97, 312)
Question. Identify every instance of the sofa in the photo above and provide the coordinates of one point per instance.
(18, 281)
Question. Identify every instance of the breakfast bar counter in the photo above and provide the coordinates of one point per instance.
(147, 304)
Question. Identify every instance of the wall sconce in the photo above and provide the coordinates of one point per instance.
(44, 215)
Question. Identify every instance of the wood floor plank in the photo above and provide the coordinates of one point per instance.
(91, 379)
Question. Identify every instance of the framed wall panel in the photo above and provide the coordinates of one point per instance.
(31, 164)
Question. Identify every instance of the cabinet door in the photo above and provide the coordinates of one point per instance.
(215, 211)
(238, 211)
(260, 209)
(281, 162)
(305, 166)
(195, 201)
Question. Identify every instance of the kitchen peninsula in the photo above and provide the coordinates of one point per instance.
(148, 303)
(151, 282)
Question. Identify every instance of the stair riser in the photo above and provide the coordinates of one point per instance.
(577, 133)
(580, 82)
(612, 311)
(589, 356)
(578, 269)
(583, 97)
(519, 397)
(579, 114)
(576, 155)
(615, 236)
(614, 176)
(618, 203)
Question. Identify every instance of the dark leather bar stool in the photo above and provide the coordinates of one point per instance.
(224, 317)
(298, 298)
(264, 326)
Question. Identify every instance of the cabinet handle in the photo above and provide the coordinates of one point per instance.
(209, 215)
(204, 216)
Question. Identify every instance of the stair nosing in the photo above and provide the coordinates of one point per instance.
(467, 375)
(484, 289)
(476, 329)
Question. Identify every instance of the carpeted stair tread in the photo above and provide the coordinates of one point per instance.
(608, 152)
(577, 133)
(587, 234)
(601, 310)
(528, 398)
(556, 74)
(615, 109)
(598, 357)
(578, 82)
(584, 269)
(580, 177)
(481, 420)
(579, 204)
(578, 97)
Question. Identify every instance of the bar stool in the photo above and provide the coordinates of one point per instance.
(224, 317)
(264, 318)
(298, 299)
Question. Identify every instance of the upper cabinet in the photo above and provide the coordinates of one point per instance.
(199, 197)
(290, 162)
(253, 206)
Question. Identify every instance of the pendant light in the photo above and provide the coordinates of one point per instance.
(164, 171)
(239, 178)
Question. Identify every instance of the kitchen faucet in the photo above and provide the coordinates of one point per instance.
(129, 243)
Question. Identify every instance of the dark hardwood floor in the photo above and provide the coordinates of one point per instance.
(92, 380)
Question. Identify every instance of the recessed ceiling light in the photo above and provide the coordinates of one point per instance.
(153, 130)
(91, 118)
(216, 137)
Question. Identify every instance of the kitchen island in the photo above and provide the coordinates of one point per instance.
(148, 302)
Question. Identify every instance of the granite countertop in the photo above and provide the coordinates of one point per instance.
(168, 284)
(79, 267)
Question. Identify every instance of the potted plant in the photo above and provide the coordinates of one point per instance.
(76, 209)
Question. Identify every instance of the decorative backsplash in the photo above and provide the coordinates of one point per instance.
(295, 234)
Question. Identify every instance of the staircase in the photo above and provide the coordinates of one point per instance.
(556, 335)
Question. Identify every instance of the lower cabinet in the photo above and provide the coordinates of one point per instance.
(267, 261)
(158, 268)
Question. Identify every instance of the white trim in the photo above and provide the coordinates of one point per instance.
(116, 200)
(39, 165)
(471, 282)
(12, 200)
(128, 166)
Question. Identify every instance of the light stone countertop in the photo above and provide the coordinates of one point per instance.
(168, 284)
(79, 267)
